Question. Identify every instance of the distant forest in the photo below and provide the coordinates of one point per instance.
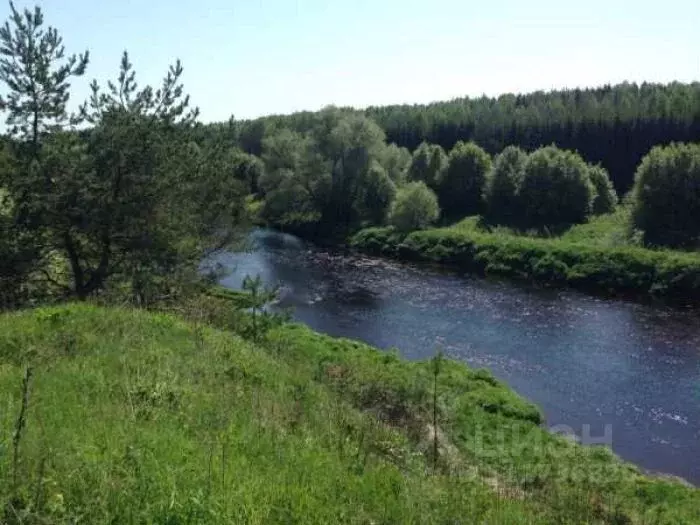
(611, 125)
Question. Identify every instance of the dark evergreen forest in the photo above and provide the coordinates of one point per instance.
(611, 125)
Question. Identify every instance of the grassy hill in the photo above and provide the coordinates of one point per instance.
(125, 416)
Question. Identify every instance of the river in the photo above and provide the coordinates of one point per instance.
(589, 363)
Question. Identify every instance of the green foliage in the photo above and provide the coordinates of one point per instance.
(592, 121)
(462, 187)
(556, 189)
(396, 161)
(248, 169)
(195, 424)
(289, 182)
(436, 363)
(349, 184)
(37, 75)
(605, 198)
(414, 208)
(667, 196)
(251, 135)
(378, 240)
(607, 267)
(160, 198)
(503, 187)
(259, 296)
(428, 165)
(37, 72)
(18, 255)
(378, 193)
(16, 265)
(355, 143)
(611, 230)
(131, 199)
(332, 178)
(283, 150)
(288, 204)
(355, 138)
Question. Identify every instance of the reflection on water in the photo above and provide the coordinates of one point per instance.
(584, 360)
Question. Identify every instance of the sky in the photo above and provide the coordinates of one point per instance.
(249, 58)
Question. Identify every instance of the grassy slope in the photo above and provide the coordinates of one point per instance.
(138, 417)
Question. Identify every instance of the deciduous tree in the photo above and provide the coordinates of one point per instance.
(503, 204)
(428, 165)
(415, 207)
(556, 189)
(462, 186)
(605, 196)
(666, 195)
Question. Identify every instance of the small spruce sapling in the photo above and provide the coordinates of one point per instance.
(260, 295)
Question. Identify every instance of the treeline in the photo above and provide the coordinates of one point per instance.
(341, 175)
(612, 125)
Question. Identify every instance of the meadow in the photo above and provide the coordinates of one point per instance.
(601, 256)
(116, 415)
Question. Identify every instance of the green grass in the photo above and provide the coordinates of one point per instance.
(610, 230)
(601, 256)
(138, 417)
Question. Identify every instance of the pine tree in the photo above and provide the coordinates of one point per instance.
(37, 73)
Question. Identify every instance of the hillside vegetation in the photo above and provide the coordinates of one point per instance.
(599, 256)
(189, 404)
(127, 416)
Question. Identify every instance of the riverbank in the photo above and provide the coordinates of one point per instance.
(134, 416)
(613, 269)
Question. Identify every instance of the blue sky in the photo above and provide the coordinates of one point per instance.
(253, 57)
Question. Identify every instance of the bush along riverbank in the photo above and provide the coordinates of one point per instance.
(623, 270)
(124, 415)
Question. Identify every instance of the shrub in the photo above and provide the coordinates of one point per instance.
(503, 186)
(377, 240)
(415, 207)
(556, 189)
(605, 198)
(462, 187)
(666, 195)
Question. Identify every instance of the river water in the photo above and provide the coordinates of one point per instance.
(621, 372)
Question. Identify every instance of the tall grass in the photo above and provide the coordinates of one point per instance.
(138, 417)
